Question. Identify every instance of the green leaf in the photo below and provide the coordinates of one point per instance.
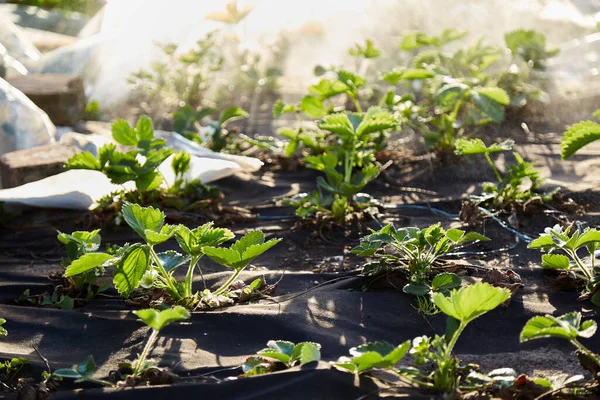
(398, 75)
(445, 281)
(67, 373)
(338, 123)
(313, 107)
(269, 353)
(84, 160)
(376, 120)
(144, 129)
(87, 262)
(192, 241)
(464, 147)
(148, 181)
(249, 239)
(588, 237)
(123, 133)
(578, 136)
(416, 289)
(488, 106)
(567, 326)
(495, 93)
(544, 242)
(470, 302)
(327, 88)
(131, 269)
(375, 355)
(257, 249)
(87, 367)
(141, 218)
(281, 346)
(171, 259)
(280, 108)
(226, 257)
(555, 261)
(305, 352)
(232, 114)
(3, 331)
(157, 320)
(166, 232)
(367, 51)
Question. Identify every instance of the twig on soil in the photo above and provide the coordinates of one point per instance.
(351, 274)
(44, 359)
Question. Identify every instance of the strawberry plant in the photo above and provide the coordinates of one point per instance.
(569, 327)
(140, 165)
(142, 369)
(434, 366)
(280, 355)
(139, 265)
(414, 251)
(563, 247)
(347, 165)
(3, 331)
(213, 134)
(516, 187)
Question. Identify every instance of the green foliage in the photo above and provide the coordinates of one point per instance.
(347, 164)
(568, 327)
(92, 111)
(213, 134)
(138, 264)
(281, 352)
(517, 186)
(414, 251)
(10, 369)
(89, 7)
(157, 320)
(530, 46)
(3, 331)
(578, 136)
(368, 50)
(417, 40)
(570, 242)
(434, 366)
(82, 372)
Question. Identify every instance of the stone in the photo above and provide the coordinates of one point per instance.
(62, 97)
(30, 165)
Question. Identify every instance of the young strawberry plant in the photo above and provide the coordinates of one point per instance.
(213, 134)
(564, 247)
(280, 355)
(347, 164)
(414, 251)
(571, 328)
(139, 265)
(140, 370)
(518, 185)
(434, 365)
(140, 164)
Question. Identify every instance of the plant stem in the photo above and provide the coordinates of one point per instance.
(450, 347)
(142, 358)
(489, 160)
(189, 277)
(591, 355)
(356, 103)
(172, 289)
(579, 263)
(226, 285)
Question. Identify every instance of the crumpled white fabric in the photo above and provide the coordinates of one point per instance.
(81, 189)
(16, 42)
(22, 124)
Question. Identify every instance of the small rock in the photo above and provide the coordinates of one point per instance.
(30, 165)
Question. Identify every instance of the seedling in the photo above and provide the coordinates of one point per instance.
(156, 320)
(462, 306)
(139, 264)
(10, 369)
(213, 134)
(342, 182)
(82, 372)
(570, 241)
(569, 327)
(517, 186)
(414, 251)
(281, 354)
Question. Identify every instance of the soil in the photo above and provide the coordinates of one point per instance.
(318, 295)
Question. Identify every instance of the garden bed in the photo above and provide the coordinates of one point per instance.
(318, 294)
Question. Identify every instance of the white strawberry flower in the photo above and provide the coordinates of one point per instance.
(206, 133)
